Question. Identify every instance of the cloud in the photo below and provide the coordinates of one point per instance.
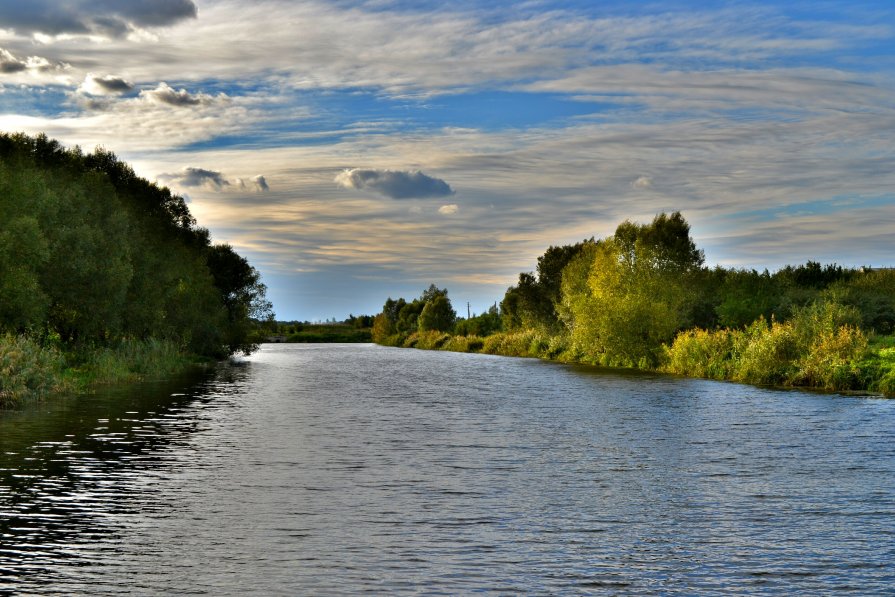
(191, 177)
(164, 94)
(105, 85)
(198, 177)
(107, 18)
(11, 64)
(642, 182)
(447, 210)
(395, 184)
(261, 183)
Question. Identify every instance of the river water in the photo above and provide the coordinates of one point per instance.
(344, 469)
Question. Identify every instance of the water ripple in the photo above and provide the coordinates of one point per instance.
(357, 469)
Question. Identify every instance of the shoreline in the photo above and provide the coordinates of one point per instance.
(31, 371)
(542, 346)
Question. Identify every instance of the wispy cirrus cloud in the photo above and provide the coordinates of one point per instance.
(754, 119)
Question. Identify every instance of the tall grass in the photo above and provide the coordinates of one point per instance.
(32, 370)
(132, 360)
(27, 369)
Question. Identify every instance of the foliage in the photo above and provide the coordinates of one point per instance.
(95, 255)
(637, 293)
(820, 347)
(643, 298)
(533, 302)
(383, 328)
(330, 333)
(437, 314)
(480, 325)
(27, 369)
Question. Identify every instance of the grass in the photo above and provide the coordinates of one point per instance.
(31, 370)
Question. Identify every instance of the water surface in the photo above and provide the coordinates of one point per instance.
(343, 469)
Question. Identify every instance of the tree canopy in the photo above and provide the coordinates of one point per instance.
(90, 252)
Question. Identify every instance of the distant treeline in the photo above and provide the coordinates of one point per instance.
(91, 255)
(354, 329)
(644, 298)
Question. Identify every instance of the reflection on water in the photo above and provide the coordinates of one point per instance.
(346, 468)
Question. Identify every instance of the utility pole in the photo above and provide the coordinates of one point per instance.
(468, 316)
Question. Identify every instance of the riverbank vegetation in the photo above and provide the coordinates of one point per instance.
(355, 329)
(106, 277)
(644, 298)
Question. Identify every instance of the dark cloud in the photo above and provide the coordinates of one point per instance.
(212, 179)
(10, 64)
(97, 85)
(261, 183)
(111, 18)
(394, 183)
(197, 177)
(165, 94)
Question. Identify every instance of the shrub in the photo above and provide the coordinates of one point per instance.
(27, 369)
(700, 353)
(765, 355)
(463, 344)
(832, 360)
(512, 344)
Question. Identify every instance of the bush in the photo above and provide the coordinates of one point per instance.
(513, 344)
(832, 360)
(27, 369)
(701, 353)
(463, 344)
(765, 355)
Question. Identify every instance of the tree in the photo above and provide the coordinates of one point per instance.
(242, 293)
(437, 314)
(383, 327)
(638, 292)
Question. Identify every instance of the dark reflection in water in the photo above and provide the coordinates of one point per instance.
(346, 469)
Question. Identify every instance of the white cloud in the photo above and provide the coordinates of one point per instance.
(447, 210)
(395, 184)
(642, 182)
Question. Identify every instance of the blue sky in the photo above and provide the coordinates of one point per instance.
(359, 150)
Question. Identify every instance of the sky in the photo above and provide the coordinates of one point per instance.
(354, 151)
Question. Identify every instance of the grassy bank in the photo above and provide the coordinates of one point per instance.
(808, 353)
(31, 370)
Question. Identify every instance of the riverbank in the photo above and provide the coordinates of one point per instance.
(763, 355)
(31, 370)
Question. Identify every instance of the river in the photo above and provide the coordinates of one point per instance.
(344, 469)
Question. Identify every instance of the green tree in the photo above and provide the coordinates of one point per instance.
(437, 314)
(242, 293)
(638, 292)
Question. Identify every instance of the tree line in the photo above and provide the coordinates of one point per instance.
(91, 254)
(643, 297)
